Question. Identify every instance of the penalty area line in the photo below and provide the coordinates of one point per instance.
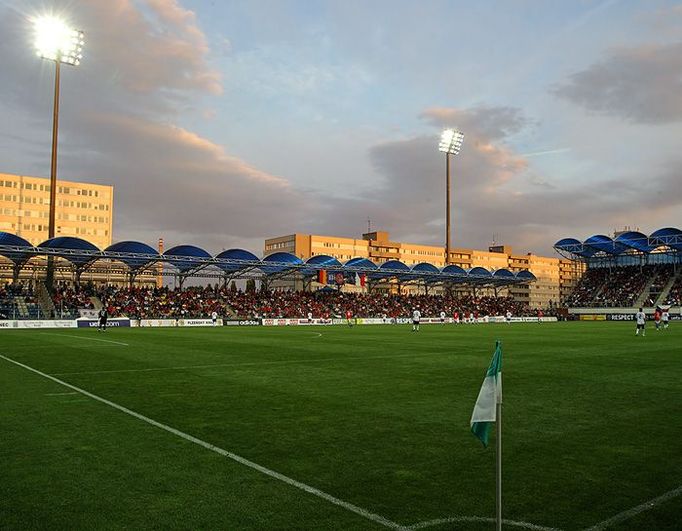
(630, 513)
(378, 519)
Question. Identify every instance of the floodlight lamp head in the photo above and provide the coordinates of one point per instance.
(56, 41)
(451, 141)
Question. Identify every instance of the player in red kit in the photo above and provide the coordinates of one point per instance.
(349, 316)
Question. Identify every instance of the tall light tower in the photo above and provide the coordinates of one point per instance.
(56, 41)
(450, 144)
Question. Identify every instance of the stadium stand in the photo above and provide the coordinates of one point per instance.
(674, 296)
(626, 271)
(67, 301)
(195, 302)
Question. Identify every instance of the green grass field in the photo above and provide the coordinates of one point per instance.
(375, 416)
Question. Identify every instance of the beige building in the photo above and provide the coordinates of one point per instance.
(83, 210)
(555, 276)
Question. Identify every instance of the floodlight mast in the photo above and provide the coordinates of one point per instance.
(56, 41)
(450, 143)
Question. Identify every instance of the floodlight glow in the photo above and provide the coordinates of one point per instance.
(56, 41)
(451, 141)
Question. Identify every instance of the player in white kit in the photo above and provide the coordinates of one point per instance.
(416, 316)
(640, 317)
(442, 317)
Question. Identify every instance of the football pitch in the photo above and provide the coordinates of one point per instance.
(338, 428)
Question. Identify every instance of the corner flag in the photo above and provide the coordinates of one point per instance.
(489, 396)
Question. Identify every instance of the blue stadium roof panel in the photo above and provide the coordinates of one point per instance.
(601, 243)
(16, 256)
(363, 263)
(479, 272)
(525, 275)
(635, 240)
(503, 273)
(425, 267)
(668, 236)
(179, 252)
(132, 247)
(233, 260)
(454, 270)
(321, 261)
(280, 262)
(390, 269)
(72, 249)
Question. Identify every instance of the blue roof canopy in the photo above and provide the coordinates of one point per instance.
(479, 272)
(186, 251)
(72, 249)
(635, 240)
(454, 270)
(503, 273)
(427, 272)
(281, 262)
(390, 269)
(134, 263)
(525, 275)
(322, 261)
(18, 257)
(189, 260)
(238, 255)
(669, 237)
(363, 263)
(602, 243)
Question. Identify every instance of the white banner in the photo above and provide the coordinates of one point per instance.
(157, 322)
(199, 322)
(46, 324)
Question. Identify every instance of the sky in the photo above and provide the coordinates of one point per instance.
(222, 123)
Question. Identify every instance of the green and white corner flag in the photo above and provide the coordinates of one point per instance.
(489, 396)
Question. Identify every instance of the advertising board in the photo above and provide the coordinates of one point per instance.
(116, 322)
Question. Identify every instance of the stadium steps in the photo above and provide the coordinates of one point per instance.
(644, 295)
(597, 292)
(96, 303)
(45, 299)
(666, 289)
(21, 306)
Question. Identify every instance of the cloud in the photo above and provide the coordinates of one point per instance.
(640, 84)
(120, 114)
(492, 122)
(495, 191)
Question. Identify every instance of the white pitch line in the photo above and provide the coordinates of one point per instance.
(87, 338)
(626, 515)
(463, 519)
(378, 519)
(61, 394)
(247, 364)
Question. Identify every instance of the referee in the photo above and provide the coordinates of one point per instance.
(102, 320)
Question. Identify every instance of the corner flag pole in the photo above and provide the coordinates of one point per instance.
(498, 472)
(487, 411)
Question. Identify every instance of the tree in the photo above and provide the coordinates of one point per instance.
(250, 286)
